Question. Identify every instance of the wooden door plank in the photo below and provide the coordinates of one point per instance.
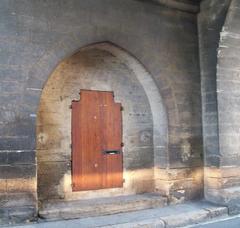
(96, 127)
(112, 138)
(91, 142)
(88, 169)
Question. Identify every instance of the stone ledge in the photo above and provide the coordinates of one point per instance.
(172, 216)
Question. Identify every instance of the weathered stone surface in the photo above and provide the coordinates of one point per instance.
(179, 184)
(17, 171)
(210, 23)
(173, 216)
(22, 214)
(220, 182)
(4, 219)
(37, 36)
(101, 206)
(97, 69)
(148, 223)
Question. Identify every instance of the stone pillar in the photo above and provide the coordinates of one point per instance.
(210, 23)
(228, 97)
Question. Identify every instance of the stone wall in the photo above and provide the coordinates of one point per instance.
(36, 35)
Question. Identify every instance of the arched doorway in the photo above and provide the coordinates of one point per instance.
(100, 67)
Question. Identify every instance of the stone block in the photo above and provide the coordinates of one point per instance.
(17, 171)
(22, 185)
(20, 200)
(138, 224)
(4, 218)
(22, 215)
(50, 137)
(21, 157)
(56, 155)
(211, 127)
(212, 183)
(234, 209)
(11, 87)
(215, 211)
(3, 186)
(3, 200)
(188, 218)
(139, 158)
(212, 160)
(3, 158)
(20, 142)
(12, 73)
(50, 175)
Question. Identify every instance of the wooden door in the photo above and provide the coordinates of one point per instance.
(97, 161)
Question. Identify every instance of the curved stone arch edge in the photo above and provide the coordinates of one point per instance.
(158, 109)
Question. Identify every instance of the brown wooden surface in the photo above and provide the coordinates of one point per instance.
(96, 127)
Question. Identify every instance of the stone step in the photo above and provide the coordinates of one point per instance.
(54, 210)
(181, 215)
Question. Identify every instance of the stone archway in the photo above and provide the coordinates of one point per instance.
(105, 67)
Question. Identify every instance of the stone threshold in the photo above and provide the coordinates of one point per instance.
(182, 215)
(54, 210)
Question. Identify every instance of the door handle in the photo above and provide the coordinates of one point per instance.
(111, 152)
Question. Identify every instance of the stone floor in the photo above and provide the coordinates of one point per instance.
(181, 215)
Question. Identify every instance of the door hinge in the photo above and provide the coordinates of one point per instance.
(70, 106)
(70, 145)
(122, 144)
(123, 180)
(121, 109)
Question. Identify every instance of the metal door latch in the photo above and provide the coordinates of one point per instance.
(111, 152)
